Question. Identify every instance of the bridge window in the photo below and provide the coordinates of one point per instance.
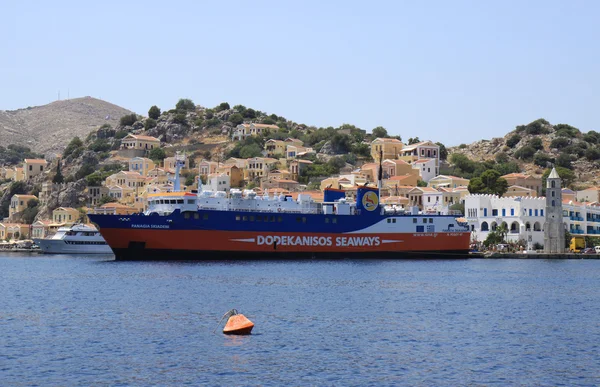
(251, 218)
(424, 220)
(334, 220)
(414, 220)
(279, 219)
(186, 215)
(237, 218)
(196, 216)
(430, 220)
(244, 218)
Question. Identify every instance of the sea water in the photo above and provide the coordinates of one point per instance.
(68, 320)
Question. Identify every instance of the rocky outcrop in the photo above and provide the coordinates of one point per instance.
(64, 195)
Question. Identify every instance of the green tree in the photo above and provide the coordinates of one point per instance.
(236, 119)
(379, 131)
(443, 151)
(75, 144)
(252, 150)
(185, 104)
(541, 159)
(154, 112)
(513, 140)
(476, 186)
(222, 106)
(525, 153)
(592, 154)
(94, 179)
(150, 123)
(413, 140)
(157, 154)
(536, 143)
(564, 130)
(501, 158)
(560, 143)
(107, 199)
(421, 183)
(58, 178)
(249, 113)
(564, 160)
(341, 143)
(128, 120)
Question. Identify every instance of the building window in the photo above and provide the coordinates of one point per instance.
(494, 212)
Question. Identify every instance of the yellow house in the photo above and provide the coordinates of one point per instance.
(259, 166)
(122, 194)
(206, 167)
(391, 148)
(33, 167)
(41, 228)
(169, 163)
(8, 173)
(18, 203)
(275, 147)
(19, 174)
(13, 231)
(447, 181)
(245, 130)
(141, 165)
(523, 180)
(515, 190)
(132, 141)
(65, 215)
(127, 179)
(236, 175)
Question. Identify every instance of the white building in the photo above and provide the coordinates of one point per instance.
(525, 217)
(218, 182)
(427, 168)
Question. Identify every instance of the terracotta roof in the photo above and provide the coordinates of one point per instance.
(145, 138)
(25, 196)
(422, 161)
(385, 139)
(35, 161)
(305, 161)
(516, 175)
(519, 187)
(402, 177)
(286, 181)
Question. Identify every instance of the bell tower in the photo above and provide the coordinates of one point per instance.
(554, 232)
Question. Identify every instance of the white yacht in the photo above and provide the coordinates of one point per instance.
(76, 239)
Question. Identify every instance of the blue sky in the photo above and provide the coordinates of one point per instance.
(449, 71)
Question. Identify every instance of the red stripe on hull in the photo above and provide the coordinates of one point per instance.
(200, 240)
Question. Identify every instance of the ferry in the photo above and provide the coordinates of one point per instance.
(211, 225)
(77, 239)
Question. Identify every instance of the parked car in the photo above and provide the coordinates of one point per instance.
(589, 250)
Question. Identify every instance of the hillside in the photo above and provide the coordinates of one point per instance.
(533, 148)
(48, 128)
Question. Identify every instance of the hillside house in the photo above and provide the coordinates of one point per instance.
(275, 148)
(526, 181)
(95, 194)
(169, 163)
(447, 181)
(218, 182)
(236, 175)
(10, 231)
(206, 167)
(139, 142)
(258, 167)
(65, 215)
(246, 130)
(391, 148)
(297, 167)
(515, 191)
(591, 194)
(427, 168)
(33, 167)
(141, 165)
(42, 228)
(18, 203)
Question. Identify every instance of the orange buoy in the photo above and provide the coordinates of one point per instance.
(238, 324)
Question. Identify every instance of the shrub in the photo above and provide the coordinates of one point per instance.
(180, 118)
(154, 112)
(150, 123)
(564, 160)
(75, 144)
(462, 146)
(564, 130)
(120, 134)
(501, 158)
(128, 119)
(252, 150)
(100, 145)
(559, 143)
(592, 154)
(236, 119)
(185, 104)
(513, 140)
(208, 114)
(592, 137)
(249, 113)
(525, 153)
(157, 154)
(268, 121)
(222, 106)
(536, 143)
(536, 127)
(541, 159)
(86, 169)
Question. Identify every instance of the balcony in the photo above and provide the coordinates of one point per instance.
(576, 218)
